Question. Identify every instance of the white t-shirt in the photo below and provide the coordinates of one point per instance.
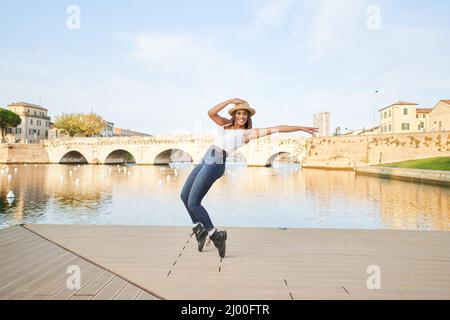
(229, 140)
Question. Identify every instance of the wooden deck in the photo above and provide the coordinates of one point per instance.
(37, 269)
(120, 261)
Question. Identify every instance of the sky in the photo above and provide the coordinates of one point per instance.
(159, 66)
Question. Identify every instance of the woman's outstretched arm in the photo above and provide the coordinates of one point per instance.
(310, 130)
(213, 112)
(262, 132)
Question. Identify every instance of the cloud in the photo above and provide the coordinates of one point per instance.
(334, 27)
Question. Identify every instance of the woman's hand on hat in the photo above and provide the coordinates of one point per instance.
(237, 101)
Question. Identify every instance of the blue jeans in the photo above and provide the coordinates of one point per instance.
(199, 181)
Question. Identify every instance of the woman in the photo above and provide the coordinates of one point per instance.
(235, 132)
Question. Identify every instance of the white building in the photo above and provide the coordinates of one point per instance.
(322, 121)
(109, 130)
(34, 126)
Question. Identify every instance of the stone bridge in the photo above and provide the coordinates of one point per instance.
(165, 149)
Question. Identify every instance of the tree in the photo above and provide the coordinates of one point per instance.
(337, 131)
(79, 124)
(8, 119)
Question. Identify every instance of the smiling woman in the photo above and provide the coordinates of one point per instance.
(236, 132)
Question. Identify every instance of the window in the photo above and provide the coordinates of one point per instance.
(30, 131)
(405, 126)
(31, 121)
(39, 132)
(35, 112)
(405, 111)
(389, 128)
(389, 113)
(417, 116)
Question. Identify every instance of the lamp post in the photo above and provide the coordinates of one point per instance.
(374, 111)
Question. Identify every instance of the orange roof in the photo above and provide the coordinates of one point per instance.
(424, 110)
(400, 103)
(446, 101)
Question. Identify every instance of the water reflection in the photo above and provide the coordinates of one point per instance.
(283, 196)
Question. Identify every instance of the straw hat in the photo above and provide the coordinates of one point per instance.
(240, 106)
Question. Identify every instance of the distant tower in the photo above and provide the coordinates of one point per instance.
(322, 121)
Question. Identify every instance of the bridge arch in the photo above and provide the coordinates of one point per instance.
(120, 156)
(172, 155)
(236, 158)
(282, 157)
(73, 157)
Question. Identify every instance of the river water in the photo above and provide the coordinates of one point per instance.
(283, 197)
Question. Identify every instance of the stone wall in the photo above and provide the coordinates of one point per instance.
(23, 153)
(349, 152)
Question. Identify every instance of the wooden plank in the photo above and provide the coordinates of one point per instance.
(130, 292)
(18, 236)
(19, 256)
(56, 283)
(65, 293)
(18, 269)
(111, 290)
(97, 284)
(35, 270)
(8, 233)
(39, 279)
(81, 298)
(143, 295)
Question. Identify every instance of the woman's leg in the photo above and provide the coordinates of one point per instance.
(205, 178)
(187, 189)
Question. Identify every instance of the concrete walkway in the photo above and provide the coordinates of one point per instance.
(260, 263)
(434, 177)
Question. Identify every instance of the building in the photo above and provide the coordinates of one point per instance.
(322, 121)
(422, 116)
(109, 130)
(35, 123)
(398, 118)
(404, 117)
(128, 133)
(439, 117)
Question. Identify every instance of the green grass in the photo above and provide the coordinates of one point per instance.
(439, 163)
